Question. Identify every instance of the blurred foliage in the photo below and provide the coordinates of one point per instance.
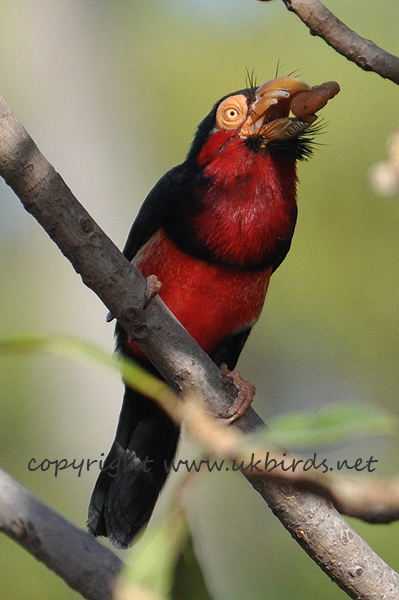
(112, 93)
(151, 563)
(324, 426)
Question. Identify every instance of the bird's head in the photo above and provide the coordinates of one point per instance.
(269, 117)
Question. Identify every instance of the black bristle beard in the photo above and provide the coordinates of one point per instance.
(298, 148)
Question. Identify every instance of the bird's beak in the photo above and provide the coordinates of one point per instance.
(285, 107)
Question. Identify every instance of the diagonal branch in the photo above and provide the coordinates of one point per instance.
(365, 53)
(78, 558)
(311, 520)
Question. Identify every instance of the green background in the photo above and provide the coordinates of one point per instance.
(112, 93)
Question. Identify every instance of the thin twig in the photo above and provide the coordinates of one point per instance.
(368, 499)
(365, 53)
(310, 519)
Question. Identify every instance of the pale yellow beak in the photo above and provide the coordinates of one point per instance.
(269, 115)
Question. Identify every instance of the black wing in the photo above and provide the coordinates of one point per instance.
(156, 208)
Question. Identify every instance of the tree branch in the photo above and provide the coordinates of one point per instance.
(73, 554)
(323, 23)
(311, 520)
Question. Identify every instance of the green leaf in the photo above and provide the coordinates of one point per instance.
(134, 375)
(324, 426)
(151, 563)
(189, 581)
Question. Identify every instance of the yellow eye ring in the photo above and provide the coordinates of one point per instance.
(232, 112)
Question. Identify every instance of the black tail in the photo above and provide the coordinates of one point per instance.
(134, 471)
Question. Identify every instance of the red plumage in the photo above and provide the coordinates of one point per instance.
(249, 211)
(212, 303)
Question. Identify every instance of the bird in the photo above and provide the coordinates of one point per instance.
(212, 231)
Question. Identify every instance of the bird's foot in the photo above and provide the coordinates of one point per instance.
(246, 392)
(153, 287)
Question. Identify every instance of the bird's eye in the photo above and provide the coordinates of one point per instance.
(232, 112)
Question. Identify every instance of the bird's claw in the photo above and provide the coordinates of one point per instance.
(246, 392)
(153, 286)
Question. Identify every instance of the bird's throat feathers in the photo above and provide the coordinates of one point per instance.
(247, 213)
